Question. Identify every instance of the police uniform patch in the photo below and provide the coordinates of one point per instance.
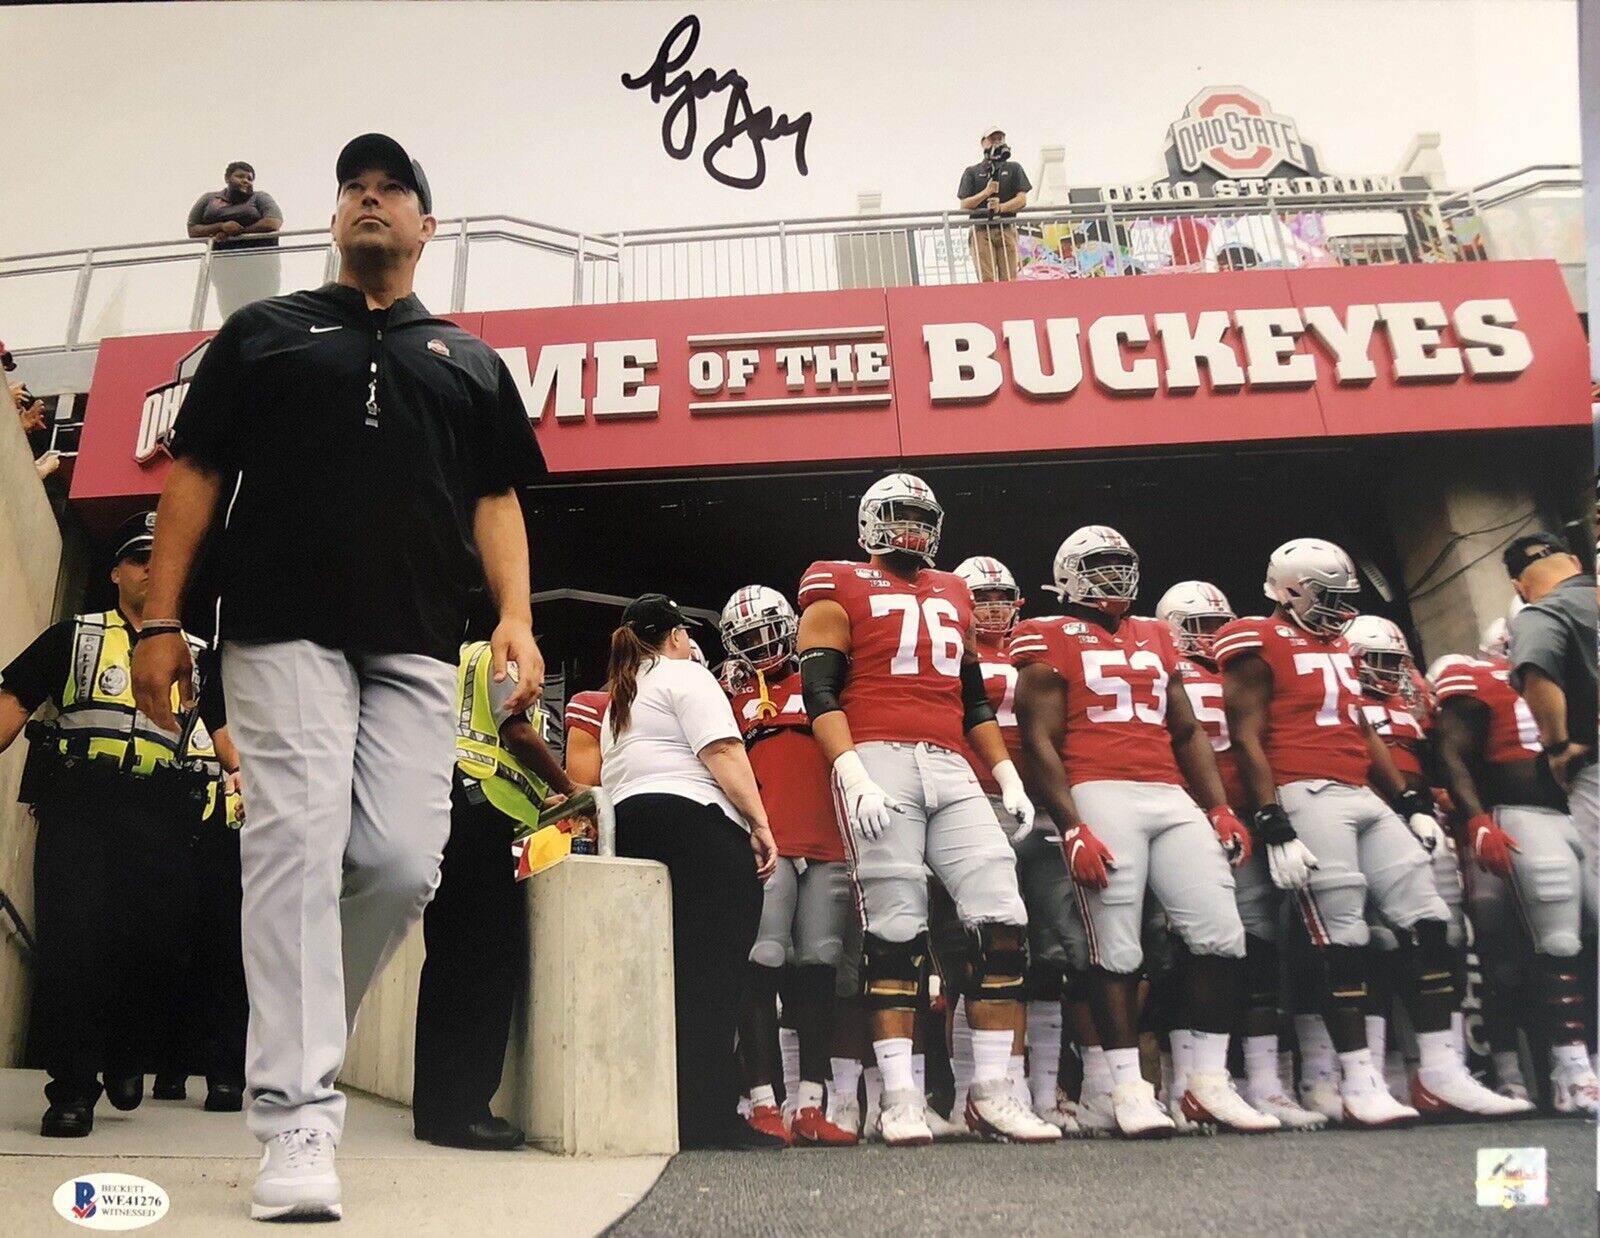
(114, 680)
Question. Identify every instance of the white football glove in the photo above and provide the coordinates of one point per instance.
(1425, 830)
(1014, 798)
(866, 803)
(1290, 864)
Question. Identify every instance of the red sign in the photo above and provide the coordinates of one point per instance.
(992, 369)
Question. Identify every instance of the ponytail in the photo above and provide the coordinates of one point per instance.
(628, 654)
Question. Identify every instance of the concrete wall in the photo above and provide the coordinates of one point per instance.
(30, 557)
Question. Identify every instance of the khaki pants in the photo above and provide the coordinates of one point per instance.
(994, 251)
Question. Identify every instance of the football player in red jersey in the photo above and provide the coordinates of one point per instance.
(1111, 741)
(1306, 752)
(1056, 942)
(584, 713)
(894, 690)
(1522, 834)
(806, 903)
(1196, 611)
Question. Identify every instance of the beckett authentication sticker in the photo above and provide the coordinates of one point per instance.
(110, 1201)
(1512, 1178)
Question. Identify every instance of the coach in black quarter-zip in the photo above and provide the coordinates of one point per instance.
(363, 460)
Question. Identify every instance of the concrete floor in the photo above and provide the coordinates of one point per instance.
(206, 1162)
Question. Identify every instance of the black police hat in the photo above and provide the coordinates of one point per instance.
(379, 150)
(653, 615)
(137, 533)
(1531, 548)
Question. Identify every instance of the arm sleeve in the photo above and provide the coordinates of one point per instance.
(1536, 640)
(39, 672)
(197, 212)
(207, 424)
(703, 710)
(508, 455)
(268, 206)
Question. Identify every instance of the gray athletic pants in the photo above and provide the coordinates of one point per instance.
(805, 907)
(346, 762)
(1552, 874)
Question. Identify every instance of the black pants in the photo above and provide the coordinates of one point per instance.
(114, 898)
(716, 910)
(474, 930)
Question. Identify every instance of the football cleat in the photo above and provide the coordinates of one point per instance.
(1454, 1093)
(994, 1112)
(902, 1121)
(844, 1112)
(1372, 1107)
(944, 1130)
(1322, 1096)
(1139, 1114)
(1515, 1090)
(1096, 1116)
(1575, 1090)
(1290, 1115)
(1063, 1115)
(768, 1119)
(1209, 1099)
(813, 1129)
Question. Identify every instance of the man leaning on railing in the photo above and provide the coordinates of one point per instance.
(238, 219)
(992, 191)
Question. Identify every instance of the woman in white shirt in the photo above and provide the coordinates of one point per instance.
(674, 763)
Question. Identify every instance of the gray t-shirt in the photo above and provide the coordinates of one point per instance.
(1013, 180)
(216, 208)
(1556, 634)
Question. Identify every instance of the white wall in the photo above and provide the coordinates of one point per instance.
(125, 113)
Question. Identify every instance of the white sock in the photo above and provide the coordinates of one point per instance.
(808, 1095)
(894, 1064)
(991, 1055)
(762, 1094)
(919, 1071)
(1571, 1057)
(846, 1076)
(1318, 1063)
(744, 1107)
(961, 1055)
(1438, 1050)
(874, 1078)
(1458, 1033)
(789, 1051)
(1208, 1053)
(1044, 1052)
(1377, 1036)
(1124, 1066)
(1261, 1066)
(1508, 1067)
(1359, 1075)
(1017, 1072)
(1096, 1071)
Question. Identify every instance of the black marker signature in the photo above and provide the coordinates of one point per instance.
(740, 120)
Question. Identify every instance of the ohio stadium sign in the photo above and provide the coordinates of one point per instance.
(993, 369)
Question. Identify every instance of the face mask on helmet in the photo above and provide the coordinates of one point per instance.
(911, 526)
(765, 645)
(1108, 579)
(1384, 672)
(994, 609)
(1320, 610)
(1196, 634)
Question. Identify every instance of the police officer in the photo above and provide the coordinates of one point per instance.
(113, 866)
(473, 928)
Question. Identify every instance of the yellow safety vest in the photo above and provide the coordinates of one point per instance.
(509, 785)
(97, 702)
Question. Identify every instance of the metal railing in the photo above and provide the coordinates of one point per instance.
(71, 299)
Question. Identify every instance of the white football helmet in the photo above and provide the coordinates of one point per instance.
(1383, 658)
(759, 626)
(1095, 566)
(900, 513)
(996, 616)
(697, 654)
(1315, 583)
(1194, 610)
(1442, 663)
(1496, 640)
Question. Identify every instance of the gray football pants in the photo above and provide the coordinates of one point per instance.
(1055, 927)
(1362, 847)
(1552, 875)
(945, 822)
(805, 907)
(346, 765)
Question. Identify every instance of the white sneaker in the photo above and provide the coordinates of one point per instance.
(1515, 1089)
(1575, 1090)
(1063, 1115)
(1139, 1114)
(297, 1180)
(844, 1112)
(1372, 1107)
(994, 1112)
(903, 1122)
(1321, 1096)
(944, 1130)
(1291, 1116)
(1454, 1093)
(1096, 1117)
(1209, 1098)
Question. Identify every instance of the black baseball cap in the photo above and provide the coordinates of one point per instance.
(1531, 548)
(135, 534)
(379, 150)
(653, 615)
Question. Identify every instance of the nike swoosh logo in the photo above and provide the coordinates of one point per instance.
(320, 330)
(1141, 643)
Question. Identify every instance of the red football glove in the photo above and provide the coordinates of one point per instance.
(1235, 839)
(1087, 857)
(1492, 845)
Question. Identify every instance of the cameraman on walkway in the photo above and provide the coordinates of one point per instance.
(992, 191)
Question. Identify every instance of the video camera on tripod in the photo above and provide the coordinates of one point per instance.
(993, 165)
